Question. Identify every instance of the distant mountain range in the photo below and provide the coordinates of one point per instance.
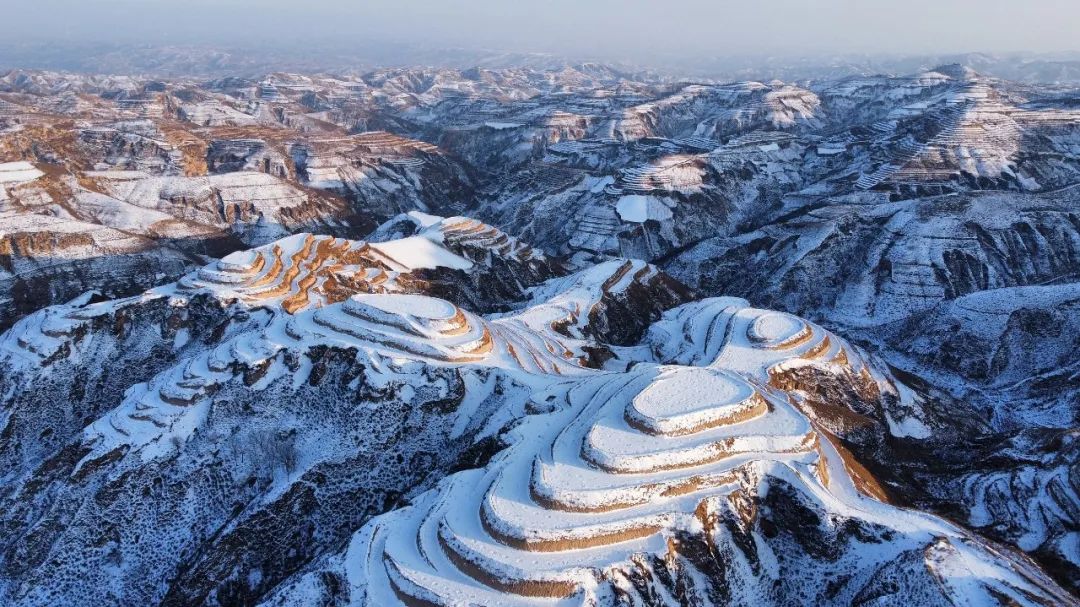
(357, 56)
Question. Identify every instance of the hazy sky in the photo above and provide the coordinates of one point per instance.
(614, 29)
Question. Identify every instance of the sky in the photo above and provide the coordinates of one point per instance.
(630, 30)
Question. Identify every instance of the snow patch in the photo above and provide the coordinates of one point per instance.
(18, 172)
(638, 208)
(416, 252)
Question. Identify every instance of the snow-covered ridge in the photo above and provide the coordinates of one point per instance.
(629, 460)
(609, 461)
(295, 273)
(308, 278)
(383, 327)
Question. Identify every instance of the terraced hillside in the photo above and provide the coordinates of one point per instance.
(182, 173)
(582, 445)
(566, 336)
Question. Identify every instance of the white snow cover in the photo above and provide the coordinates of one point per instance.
(18, 172)
(117, 214)
(181, 196)
(638, 208)
(608, 463)
(627, 458)
(417, 252)
(423, 219)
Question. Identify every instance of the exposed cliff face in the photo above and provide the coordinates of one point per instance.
(157, 175)
(45, 259)
(384, 174)
(911, 255)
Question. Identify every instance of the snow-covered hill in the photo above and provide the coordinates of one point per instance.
(538, 336)
(319, 376)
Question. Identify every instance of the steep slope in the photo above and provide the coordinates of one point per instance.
(316, 375)
(304, 376)
(957, 276)
(676, 484)
(160, 174)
